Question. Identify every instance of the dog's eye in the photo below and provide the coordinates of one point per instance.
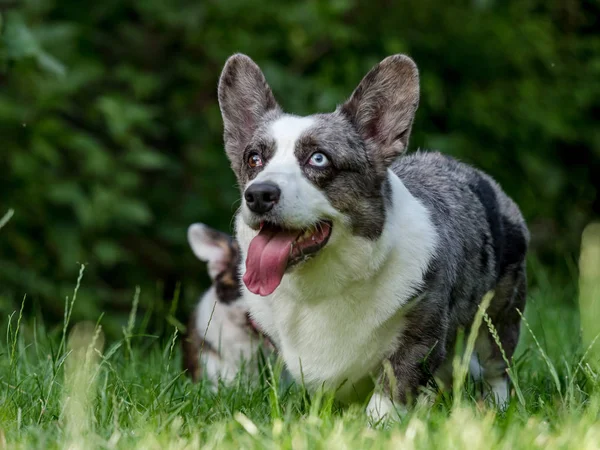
(318, 159)
(254, 160)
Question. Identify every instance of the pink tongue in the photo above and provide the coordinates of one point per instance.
(267, 260)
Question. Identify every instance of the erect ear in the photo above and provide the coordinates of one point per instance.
(383, 106)
(211, 246)
(244, 98)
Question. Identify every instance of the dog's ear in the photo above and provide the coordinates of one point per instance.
(383, 106)
(244, 99)
(211, 246)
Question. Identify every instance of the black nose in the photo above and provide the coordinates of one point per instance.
(261, 197)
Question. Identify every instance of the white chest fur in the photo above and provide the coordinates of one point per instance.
(337, 317)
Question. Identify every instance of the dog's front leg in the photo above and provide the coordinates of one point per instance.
(421, 350)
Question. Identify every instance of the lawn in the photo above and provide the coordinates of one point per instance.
(64, 387)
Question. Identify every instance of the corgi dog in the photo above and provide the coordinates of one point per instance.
(355, 256)
(221, 338)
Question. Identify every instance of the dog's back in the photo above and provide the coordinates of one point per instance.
(483, 242)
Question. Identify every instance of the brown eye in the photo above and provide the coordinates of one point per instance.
(254, 160)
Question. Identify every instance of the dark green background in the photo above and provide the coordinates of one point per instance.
(110, 132)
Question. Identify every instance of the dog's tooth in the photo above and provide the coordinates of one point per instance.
(313, 238)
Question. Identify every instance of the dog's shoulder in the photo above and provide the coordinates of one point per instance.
(480, 227)
(450, 187)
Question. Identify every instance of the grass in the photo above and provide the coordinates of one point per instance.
(65, 387)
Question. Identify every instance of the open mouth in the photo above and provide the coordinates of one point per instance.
(275, 249)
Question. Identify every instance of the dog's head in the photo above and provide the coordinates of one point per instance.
(222, 254)
(305, 178)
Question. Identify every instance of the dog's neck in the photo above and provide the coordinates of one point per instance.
(406, 244)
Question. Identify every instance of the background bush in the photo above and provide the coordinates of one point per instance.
(110, 132)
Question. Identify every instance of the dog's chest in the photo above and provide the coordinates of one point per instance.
(335, 340)
(343, 337)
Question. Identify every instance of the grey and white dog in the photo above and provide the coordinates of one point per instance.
(353, 255)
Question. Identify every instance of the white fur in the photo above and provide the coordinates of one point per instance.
(206, 249)
(483, 368)
(224, 327)
(475, 369)
(301, 202)
(499, 389)
(336, 317)
(381, 408)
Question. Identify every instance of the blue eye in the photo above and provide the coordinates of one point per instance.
(318, 159)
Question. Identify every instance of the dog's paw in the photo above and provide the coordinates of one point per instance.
(498, 393)
(381, 411)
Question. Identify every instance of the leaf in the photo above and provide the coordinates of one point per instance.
(20, 43)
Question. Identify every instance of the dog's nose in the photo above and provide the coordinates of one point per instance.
(261, 197)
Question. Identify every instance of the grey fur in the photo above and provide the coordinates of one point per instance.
(355, 182)
(374, 124)
(245, 98)
(483, 243)
(383, 106)
(483, 238)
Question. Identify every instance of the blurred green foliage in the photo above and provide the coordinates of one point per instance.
(110, 132)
